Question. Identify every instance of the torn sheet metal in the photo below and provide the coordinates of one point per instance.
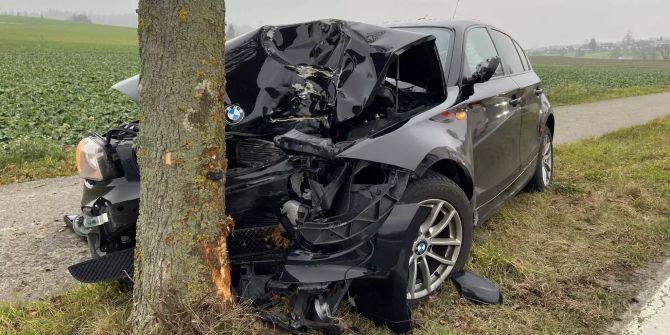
(324, 68)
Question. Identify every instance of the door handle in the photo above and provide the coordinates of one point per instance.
(539, 91)
(515, 101)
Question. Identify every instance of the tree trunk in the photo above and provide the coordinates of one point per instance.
(181, 254)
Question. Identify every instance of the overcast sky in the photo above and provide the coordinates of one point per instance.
(533, 22)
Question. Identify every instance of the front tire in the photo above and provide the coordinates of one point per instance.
(443, 240)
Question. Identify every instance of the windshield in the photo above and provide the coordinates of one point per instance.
(443, 39)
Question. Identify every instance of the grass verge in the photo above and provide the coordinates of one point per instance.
(565, 259)
(91, 309)
(103, 309)
(31, 159)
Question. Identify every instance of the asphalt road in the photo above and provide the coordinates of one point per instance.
(36, 247)
(574, 123)
(652, 315)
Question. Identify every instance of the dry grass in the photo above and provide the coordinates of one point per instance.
(565, 259)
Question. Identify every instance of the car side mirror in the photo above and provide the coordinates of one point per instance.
(484, 71)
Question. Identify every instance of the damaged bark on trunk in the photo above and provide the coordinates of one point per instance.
(181, 254)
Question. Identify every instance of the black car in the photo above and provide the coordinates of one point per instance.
(374, 151)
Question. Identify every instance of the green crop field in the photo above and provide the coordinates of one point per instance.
(55, 79)
(577, 80)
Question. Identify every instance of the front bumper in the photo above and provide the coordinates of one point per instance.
(363, 242)
(384, 266)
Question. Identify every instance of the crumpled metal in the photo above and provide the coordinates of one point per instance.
(312, 75)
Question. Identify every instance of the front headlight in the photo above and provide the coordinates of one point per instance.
(92, 160)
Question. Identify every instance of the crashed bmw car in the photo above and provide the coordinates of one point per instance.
(360, 160)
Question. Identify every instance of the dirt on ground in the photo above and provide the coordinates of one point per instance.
(36, 247)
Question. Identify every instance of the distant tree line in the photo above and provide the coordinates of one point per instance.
(80, 18)
(628, 48)
(123, 20)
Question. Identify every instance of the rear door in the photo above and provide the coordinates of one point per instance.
(531, 138)
(531, 89)
(493, 117)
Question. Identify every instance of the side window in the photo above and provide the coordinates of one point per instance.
(524, 57)
(478, 48)
(510, 57)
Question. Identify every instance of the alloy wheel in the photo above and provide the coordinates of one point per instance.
(436, 249)
(547, 160)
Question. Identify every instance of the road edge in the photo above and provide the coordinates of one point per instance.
(657, 273)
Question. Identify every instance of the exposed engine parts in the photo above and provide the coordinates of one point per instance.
(311, 226)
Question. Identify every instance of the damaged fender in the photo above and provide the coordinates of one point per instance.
(312, 183)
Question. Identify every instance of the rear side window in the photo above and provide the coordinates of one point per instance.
(510, 57)
(478, 48)
(524, 57)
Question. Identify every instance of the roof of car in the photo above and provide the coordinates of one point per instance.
(435, 23)
(456, 24)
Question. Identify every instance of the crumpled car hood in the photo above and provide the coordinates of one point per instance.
(321, 68)
(323, 71)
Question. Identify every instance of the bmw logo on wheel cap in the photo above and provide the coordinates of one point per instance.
(421, 248)
(234, 115)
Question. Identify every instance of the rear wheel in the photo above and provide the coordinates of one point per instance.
(544, 171)
(443, 240)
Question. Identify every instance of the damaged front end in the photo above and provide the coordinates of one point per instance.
(311, 226)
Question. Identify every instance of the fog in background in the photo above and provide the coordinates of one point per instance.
(534, 23)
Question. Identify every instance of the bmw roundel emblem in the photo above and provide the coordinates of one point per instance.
(234, 115)
(421, 248)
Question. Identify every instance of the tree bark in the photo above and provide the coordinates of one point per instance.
(181, 254)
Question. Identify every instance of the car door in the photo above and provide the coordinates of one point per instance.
(531, 90)
(531, 137)
(493, 118)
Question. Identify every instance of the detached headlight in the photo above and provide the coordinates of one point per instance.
(92, 160)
